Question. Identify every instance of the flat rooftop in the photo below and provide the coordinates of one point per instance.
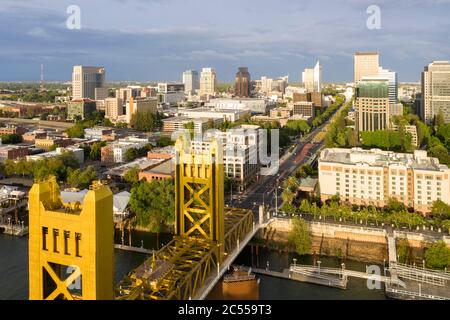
(377, 157)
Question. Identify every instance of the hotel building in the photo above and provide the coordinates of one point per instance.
(372, 177)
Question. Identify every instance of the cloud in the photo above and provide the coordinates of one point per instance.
(156, 39)
(38, 32)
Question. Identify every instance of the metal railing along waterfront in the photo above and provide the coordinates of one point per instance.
(347, 273)
(413, 294)
(421, 275)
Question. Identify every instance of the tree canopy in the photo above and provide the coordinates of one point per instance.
(300, 236)
(437, 256)
(154, 204)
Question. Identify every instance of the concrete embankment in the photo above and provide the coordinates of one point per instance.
(360, 243)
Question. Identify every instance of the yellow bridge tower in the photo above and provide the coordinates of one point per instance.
(70, 244)
(199, 196)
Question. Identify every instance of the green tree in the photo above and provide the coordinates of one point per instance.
(131, 154)
(77, 131)
(440, 210)
(393, 205)
(439, 119)
(146, 121)
(446, 225)
(82, 178)
(165, 141)
(437, 256)
(11, 138)
(154, 204)
(441, 153)
(296, 127)
(300, 236)
(132, 175)
(403, 250)
(95, 152)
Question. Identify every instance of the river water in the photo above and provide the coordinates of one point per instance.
(14, 271)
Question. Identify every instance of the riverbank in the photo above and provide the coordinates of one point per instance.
(359, 243)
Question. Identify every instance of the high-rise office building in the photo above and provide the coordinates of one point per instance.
(391, 76)
(242, 84)
(366, 65)
(372, 104)
(435, 91)
(191, 81)
(208, 82)
(312, 78)
(85, 80)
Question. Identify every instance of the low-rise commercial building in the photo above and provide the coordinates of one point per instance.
(12, 129)
(304, 108)
(32, 135)
(97, 133)
(51, 142)
(372, 177)
(224, 114)
(170, 93)
(78, 154)
(200, 124)
(142, 164)
(10, 152)
(253, 105)
(163, 171)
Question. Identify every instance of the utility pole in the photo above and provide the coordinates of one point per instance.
(42, 78)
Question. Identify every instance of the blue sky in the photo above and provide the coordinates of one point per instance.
(158, 39)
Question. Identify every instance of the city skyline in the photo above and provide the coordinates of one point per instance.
(142, 45)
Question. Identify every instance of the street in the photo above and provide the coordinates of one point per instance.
(263, 192)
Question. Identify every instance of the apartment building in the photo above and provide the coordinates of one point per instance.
(115, 152)
(113, 108)
(240, 151)
(372, 177)
(136, 105)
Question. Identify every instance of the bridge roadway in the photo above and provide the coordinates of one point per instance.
(212, 281)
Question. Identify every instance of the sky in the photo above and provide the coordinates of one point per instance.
(156, 40)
